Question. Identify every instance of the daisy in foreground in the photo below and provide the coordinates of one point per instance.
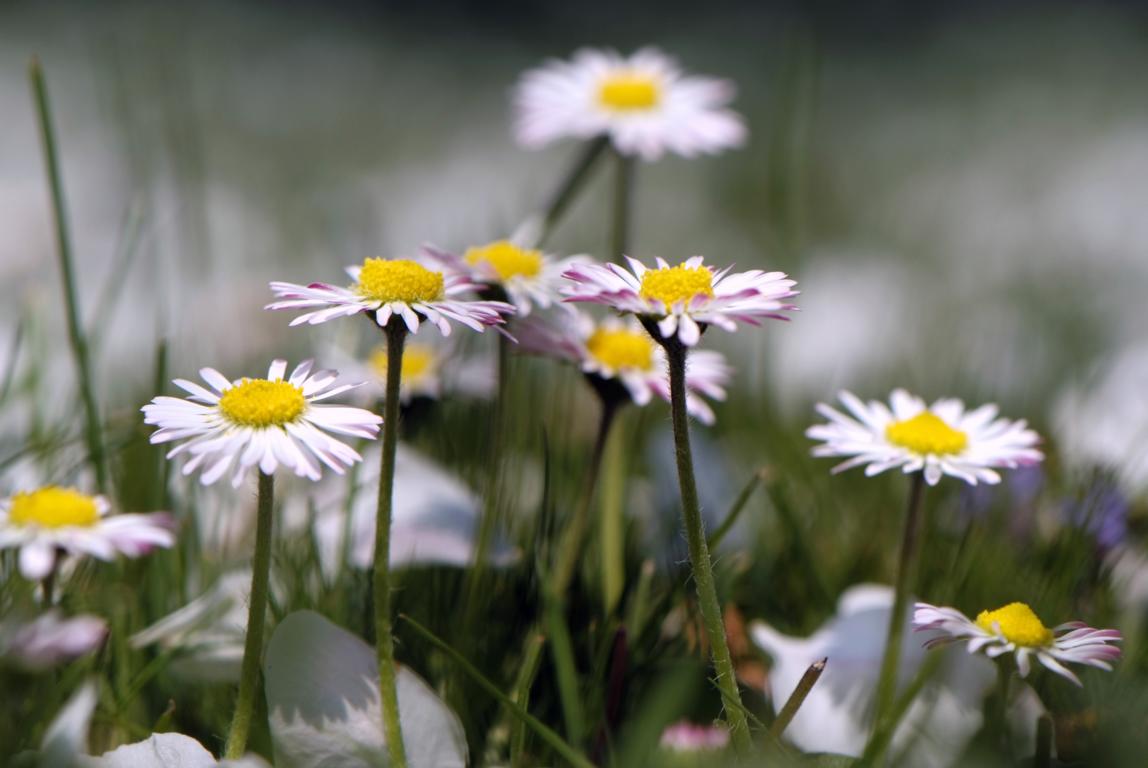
(683, 298)
(643, 103)
(1015, 629)
(620, 352)
(262, 423)
(941, 439)
(527, 277)
(51, 522)
(388, 287)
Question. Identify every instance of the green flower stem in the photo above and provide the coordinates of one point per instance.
(256, 618)
(623, 206)
(571, 183)
(612, 521)
(699, 553)
(570, 549)
(910, 535)
(396, 333)
(76, 335)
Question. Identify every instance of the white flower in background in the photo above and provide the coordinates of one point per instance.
(685, 736)
(643, 103)
(207, 633)
(682, 297)
(528, 277)
(434, 517)
(837, 715)
(1017, 631)
(939, 439)
(49, 639)
(322, 686)
(1103, 420)
(65, 744)
(55, 521)
(261, 423)
(385, 288)
(621, 350)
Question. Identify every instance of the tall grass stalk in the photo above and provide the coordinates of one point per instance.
(76, 335)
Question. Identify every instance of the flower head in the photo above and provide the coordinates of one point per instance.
(526, 276)
(681, 297)
(387, 287)
(684, 736)
(53, 520)
(940, 439)
(50, 639)
(617, 350)
(1016, 629)
(643, 103)
(260, 422)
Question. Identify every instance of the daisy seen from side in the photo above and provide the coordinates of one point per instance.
(939, 439)
(1016, 630)
(643, 103)
(388, 288)
(527, 277)
(260, 423)
(52, 521)
(685, 298)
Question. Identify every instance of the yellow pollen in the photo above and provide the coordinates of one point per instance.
(399, 280)
(418, 361)
(629, 91)
(618, 349)
(506, 259)
(670, 285)
(263, 403)
(53, 507)
(1018, 624)
(927, 433)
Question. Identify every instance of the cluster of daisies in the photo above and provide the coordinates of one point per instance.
(645, 107)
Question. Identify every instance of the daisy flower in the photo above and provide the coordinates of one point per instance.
(621, 351)
(53, 520)
(260, 422)
(683, 298)
(1015, 629)
(941, 439)
(684, 736)
(50, 639)
(643, 103)
(526, 276)
(387, 287)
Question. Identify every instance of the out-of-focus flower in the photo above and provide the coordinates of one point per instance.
(50, 639)
(681, 297)
(388, 287)
(618, 350)
(65, 744)
(1103, 421)
(1103, 512)
(207, 633)
(643, 103)
(528, 277)
(685, 736)
(323, 705)
(1016, 630)
(261, 423)
(837, 716)
(53, 520)
(434, 517)
(939, 439)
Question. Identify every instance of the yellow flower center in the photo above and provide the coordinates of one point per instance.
(627, 91)
(389, 280)
(1018, 624)
(926, 433)
(53, 507)
(618, 349)
(418, 361)
(507, 259)
(262, 403)
(670, 285)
